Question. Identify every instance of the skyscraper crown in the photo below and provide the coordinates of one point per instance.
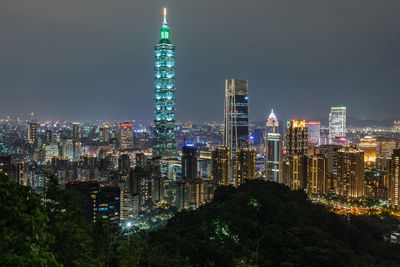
(164, 32)
(272, 120)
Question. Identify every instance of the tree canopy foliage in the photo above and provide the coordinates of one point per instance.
(258, 224)
(265, 224)
(23, 240)
(48, 230)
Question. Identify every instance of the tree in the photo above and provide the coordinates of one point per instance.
(73, 244)
(23, 239)
(265, 224)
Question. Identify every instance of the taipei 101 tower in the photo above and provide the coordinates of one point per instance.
(164, 138)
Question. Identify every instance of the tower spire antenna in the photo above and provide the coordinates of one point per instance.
(165, 15)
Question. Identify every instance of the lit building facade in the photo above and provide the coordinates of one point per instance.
(330, 154)
(273, 150)
(394, 180)
(272, 125)
(164, 138)
(296, 151)
(220, 166)
(245, 165)
(198, 192)
(75, 131)
(236, 131)
(32, 132)
(108, 204)
(296, 138)
(104, 134)
(50, 151)
(314, 132)
(316, 168)
(369, 146)
(126, 135)
(350, 173)
(129, 206)
(298, 172)
(337, 123)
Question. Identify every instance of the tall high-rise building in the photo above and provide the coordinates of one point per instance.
(330, 154)
(273, 150)
(50, 151)
(236, 131)
(314, 132)
(124, 165)
(272, 125)
(245, 165)
(108, 204)
(126, 135)
(75, 131)
(67, 148)
(298, 171)
(316, 169)
(296, 138)
(76, 145)
(350, 173)
(296, 151)
(189, 162)
(198, 192)
(104, 134)
(129, 206)
(337, 123)
(220, 166)
(164, 139)
(32, 132)
(182, 195)
(157, 189)
(139, 182)
(394, 180)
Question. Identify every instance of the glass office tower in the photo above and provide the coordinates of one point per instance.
(236, 131)
(164, 139)
(337, 123)
(273, 149)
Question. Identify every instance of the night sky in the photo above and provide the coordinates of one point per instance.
(93, 59)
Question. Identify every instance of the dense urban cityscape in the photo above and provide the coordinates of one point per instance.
(136, 175)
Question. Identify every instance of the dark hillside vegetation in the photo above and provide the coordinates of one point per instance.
(258, 224)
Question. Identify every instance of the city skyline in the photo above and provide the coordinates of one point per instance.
(63, 75)
(106, 165)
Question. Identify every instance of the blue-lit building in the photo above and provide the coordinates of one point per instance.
(164, 139)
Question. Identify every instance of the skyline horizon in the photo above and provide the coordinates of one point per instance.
(324, 121)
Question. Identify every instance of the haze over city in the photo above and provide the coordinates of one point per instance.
(94, 59)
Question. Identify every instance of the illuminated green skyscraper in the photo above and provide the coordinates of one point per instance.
(164, 142)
